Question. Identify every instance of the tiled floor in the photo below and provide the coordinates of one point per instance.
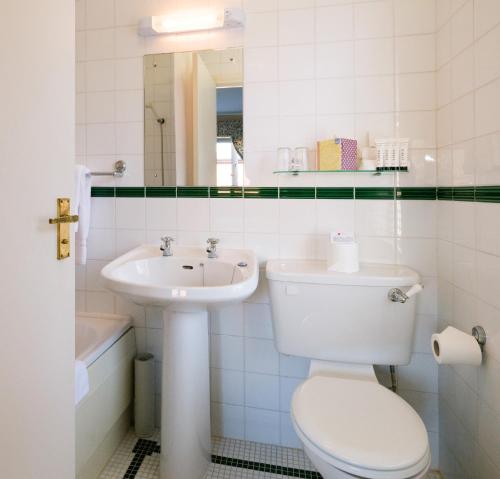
(140, 460)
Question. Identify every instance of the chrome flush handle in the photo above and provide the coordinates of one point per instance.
(398, 296)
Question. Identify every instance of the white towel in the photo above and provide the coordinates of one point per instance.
(81, 206)
(82, 386)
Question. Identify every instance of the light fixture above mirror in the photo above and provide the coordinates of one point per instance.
(192, 21)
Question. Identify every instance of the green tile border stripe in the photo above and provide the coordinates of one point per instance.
(130, 192)
(298, 193)
(482, 194)
(369, 193)
(445, 193)
(463, 193)
(103, 191)
(487, 194)
(161, 192)
(226, 192)
(192, 191)
(416, 193)
(257, 192)
(335, 193)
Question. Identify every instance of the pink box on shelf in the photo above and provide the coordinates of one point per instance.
(349, 154)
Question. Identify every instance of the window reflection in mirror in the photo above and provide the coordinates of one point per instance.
(193, 118)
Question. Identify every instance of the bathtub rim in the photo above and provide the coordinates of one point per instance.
(123, 325)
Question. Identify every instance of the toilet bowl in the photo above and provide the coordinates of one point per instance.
(358, 428)
(349, 424)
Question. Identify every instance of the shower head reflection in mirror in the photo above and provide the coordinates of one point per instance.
(193, 113)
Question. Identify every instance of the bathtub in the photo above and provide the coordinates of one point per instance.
(106, 344)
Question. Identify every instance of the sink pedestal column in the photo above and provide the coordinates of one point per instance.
(185, 409)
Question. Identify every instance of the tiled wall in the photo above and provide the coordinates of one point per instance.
(469, 232)
(313, 68)
(251, 382)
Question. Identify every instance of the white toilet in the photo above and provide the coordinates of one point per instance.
(349, 424)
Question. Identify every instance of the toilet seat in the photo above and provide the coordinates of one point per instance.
(360, 427)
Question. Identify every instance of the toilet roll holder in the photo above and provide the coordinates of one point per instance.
(479, 335)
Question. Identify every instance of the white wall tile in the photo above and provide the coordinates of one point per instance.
(226, 352)
(296, 62)
(416, 53)
(193, 214)
(374, 56)
(131, 213)
(297, 216)
(228, 420)
(343, 55)
(486, 15)
(228, 320)
(100, 44)
(261, 356)
(161, 214)
(367, 102)
(417, 91)
(374, 19)
(99, 75)
(100, 14)
(261, 29)
(262, 391)
(227, 386)
(258, 321)
(100, 107)
(128, 239)
(341, 17)
(415, 17)
(296, 26)
(128, 73)
(101, 244)
(462, 28)
(487, 103)
(261, 64)
(374, 218)
(297, 97)
(226, 215)
(262, 425)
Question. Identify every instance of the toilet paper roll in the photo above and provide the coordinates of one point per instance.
(343, 257)
(453, 346)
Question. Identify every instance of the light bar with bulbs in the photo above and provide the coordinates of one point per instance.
(192, 21)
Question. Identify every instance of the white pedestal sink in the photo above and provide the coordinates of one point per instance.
(186, 285)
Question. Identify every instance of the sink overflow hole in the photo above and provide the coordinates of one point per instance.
(187, 266)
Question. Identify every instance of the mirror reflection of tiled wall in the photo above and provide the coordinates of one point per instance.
(159, 104)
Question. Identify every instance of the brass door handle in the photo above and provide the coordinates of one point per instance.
(62, 222)
(64, 219)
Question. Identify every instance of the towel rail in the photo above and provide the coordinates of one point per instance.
(120, 169)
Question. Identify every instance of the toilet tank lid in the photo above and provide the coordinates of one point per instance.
(314, 271)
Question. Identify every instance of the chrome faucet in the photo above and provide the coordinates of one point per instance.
(212, 248)
(166, 245)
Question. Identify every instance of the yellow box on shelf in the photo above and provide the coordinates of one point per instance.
(329, 155)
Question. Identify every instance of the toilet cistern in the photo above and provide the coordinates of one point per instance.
(349, 424)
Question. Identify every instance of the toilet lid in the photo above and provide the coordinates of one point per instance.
(360, 423)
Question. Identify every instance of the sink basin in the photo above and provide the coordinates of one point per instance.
(185, 285)
(188, 277)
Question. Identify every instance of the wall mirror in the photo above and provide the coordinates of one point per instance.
(193, 118)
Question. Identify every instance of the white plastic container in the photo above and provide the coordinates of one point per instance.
(343, 253)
